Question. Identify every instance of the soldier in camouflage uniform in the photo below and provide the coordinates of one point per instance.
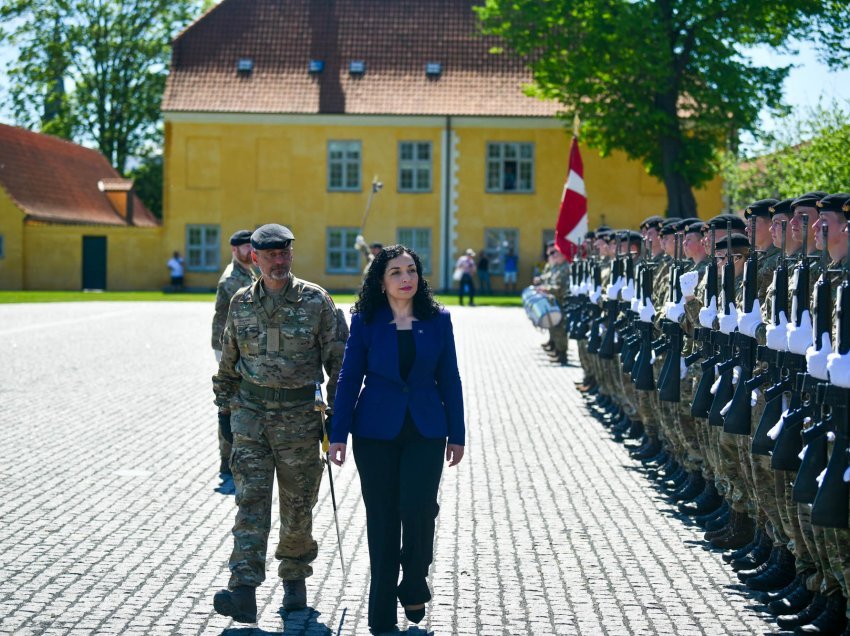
(280, 334)
(554, 281)
(238, 274)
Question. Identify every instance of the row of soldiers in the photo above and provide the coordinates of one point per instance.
(719, 351)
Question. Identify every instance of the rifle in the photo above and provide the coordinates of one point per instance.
(702, 394)
(642, 375)
(738, 419)
(763, 444)
(789, 442)
(631, 339)
(830, 508)
(815, 451)
(670, 377)
(594, 311)
(612, 308)
(723, 392)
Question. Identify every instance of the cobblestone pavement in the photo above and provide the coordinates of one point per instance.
(109, 523)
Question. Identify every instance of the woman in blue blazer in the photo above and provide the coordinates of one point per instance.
(399, 395)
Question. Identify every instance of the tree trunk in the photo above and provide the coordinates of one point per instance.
(680, 194)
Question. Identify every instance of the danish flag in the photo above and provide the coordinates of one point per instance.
(572, 218)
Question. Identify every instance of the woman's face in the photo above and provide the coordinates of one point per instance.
(400, 278)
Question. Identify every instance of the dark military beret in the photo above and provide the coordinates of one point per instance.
(550, 243)
(240, 238)
(781, 207)
(833, 203)
(652, 221)
(760, 208)
(691, 219)
(590, 234)
(271, 237)
(694, 226)
(721, 220)
(670, 226)
(603, 228)
(738, 241)
(808, 200)
(602, 235)
(377, 246)
(633, 236)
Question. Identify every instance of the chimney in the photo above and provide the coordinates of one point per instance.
(120, 195)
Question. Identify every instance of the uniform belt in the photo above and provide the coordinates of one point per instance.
(301, 394)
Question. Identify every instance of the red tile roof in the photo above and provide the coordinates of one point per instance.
(395, 39)
(56, 181)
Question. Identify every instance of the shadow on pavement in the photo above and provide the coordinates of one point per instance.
(302, 622)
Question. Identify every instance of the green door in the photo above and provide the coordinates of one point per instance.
(94, 262)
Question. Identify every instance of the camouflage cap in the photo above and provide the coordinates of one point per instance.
(760, 208)
(271, 237)
(240, 237)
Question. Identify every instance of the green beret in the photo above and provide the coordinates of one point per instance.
(271, 237)
(240, 237)
(808, 200)
(781, 207)
(652, 221)
(738, 241)
(760, 208)
(833, 203)
(721, 220)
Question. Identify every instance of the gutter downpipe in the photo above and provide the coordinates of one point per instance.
(445, 206)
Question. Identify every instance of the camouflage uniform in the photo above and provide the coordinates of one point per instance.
(555, 281)
(666, 411)
(274, 348)
(235, 277)
(648, 409)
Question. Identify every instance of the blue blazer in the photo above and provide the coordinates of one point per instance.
(432, 391)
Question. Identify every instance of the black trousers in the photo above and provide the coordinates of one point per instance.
(399, 480)
(467, 286)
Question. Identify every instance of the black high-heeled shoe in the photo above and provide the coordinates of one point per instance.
(414, 615)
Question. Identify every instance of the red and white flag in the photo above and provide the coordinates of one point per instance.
(572, 218)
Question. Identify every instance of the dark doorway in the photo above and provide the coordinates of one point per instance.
(94, 262)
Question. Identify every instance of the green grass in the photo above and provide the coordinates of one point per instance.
(153, 296)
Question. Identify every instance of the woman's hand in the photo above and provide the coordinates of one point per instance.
(454, 453)
(336, 452)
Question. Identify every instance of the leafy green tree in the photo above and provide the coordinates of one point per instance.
(807, 151)
(92, 70)
(148, 182)
(662, 80)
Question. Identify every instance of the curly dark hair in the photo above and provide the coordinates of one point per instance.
(371, 298)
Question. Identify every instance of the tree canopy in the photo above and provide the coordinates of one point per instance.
(93, 70)
(664, 81)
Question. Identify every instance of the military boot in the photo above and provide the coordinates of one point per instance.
(690, 489)
(707, 501)
(777, 595)
(760, 569)
(650, 450)
(792, 601)
(704, 520)
(743, 551)
(224, 468)
(805, 616)
(677, 480)
(294, 595)
(240, 603)
(638, 445)
(635, 430)
(777, 577)
(743, 529)
(831, 620)
(759, 553)
(722, 526)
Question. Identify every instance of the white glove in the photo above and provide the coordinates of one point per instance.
(817, 361)
(839, 369)
(748, 323)
(729, 322)
(635, 307)
(596, 295)
(683, 368)
(628, 292)
(708, 314)
(359, 241)
(675, 311)
(777, 335)
(688, 283)
(647, 311)
(799, 338)
(614, 288)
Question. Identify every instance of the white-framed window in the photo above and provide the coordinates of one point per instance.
(344, 166)
(419, 240)
(414, 166)
(498, 241)
(203, 250)
(510, 167)
(341, 257)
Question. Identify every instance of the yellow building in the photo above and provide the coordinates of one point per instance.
(284, 111)
(69, 222)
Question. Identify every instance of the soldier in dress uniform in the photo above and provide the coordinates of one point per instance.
(238, 274)
(281, 333)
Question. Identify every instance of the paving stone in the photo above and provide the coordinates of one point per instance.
(110, 524)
